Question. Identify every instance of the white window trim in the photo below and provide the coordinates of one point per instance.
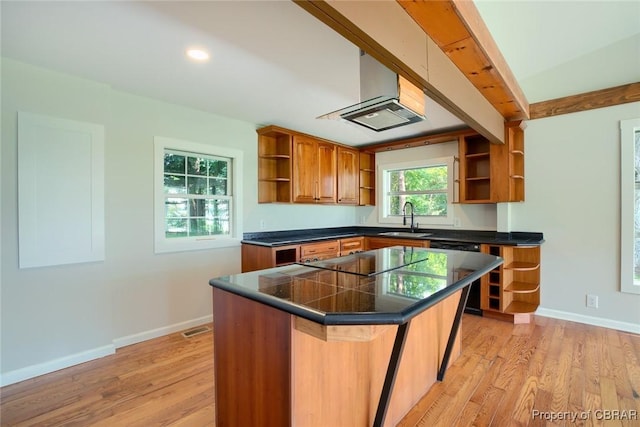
(627, 203)
(383, 218)
(162, 244)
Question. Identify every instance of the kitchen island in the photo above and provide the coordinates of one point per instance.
(351, 341)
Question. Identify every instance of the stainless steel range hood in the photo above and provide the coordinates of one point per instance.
(387, 100)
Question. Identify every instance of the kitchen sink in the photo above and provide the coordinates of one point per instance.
(405, 234)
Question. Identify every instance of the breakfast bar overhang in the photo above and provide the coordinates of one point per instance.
(355, 340)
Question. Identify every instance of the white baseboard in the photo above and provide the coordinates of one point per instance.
(589, 320)
(32, 371)
(28, 372)
(165, 330)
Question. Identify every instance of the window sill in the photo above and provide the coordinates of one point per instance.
(168, 246)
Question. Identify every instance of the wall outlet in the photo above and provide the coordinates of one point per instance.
(456, 222)
(592, 301)
(262, 224)
(363, 219)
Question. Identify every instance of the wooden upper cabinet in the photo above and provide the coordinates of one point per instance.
(300, 168)
(305, 169)
(274, 166)
(367, 178)
(348, 161)
(327, 177)
(492, 173)
(314, 171)
(475, 169)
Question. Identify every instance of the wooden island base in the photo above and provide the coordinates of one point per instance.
(275, 369)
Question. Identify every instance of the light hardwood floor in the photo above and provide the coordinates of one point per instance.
(505, 375)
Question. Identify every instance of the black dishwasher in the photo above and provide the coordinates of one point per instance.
(473, 301)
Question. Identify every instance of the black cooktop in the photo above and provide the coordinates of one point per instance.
(373, 262)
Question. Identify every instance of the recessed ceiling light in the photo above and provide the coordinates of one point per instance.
(198, 54)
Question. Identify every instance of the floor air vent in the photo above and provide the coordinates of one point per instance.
(196, 331)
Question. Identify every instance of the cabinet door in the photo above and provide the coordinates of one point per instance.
(347, 176)
(305, 170)
(326, 169)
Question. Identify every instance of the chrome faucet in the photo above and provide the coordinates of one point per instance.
(404, 215)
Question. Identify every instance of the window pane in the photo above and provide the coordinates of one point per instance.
(197, 207)
(174, 163)
(175, 214)
(198, 227)
(424, 204)
(218, 168)
(174, 184)
(175, 208)
(219, 213)
(197, 166)
(218, 187)
(176, 228)
(197, 185)
(421, 179)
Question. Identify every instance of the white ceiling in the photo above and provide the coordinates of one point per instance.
(558, 48)
(273, 63)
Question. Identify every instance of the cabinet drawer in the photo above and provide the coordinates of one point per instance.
(318, 248)
(385, 242)
(349, 246)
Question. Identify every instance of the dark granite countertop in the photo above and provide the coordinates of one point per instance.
(383, 286)
(291, 237)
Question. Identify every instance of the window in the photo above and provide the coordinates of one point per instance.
(196, 185)
(630, 206)
(427, 185)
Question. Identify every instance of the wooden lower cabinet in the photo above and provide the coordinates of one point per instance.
(385, 242)
(256, 257)
(512, 291)
(275, 369)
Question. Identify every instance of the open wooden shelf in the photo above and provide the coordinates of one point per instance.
(274, 166)
(522, 287)
(275, 156)
(512, 291)
(520, 307)
(367, 179)
(476, 155)
(275, 179)
(522, 266)
(492, 173)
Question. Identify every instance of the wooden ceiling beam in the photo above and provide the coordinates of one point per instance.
(586, 101)
(458, 29)
(384, 30)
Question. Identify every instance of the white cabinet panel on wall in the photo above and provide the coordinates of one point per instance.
(60, 191)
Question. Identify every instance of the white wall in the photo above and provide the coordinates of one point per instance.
(471, 216)
(56, 316)
(572, 169)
